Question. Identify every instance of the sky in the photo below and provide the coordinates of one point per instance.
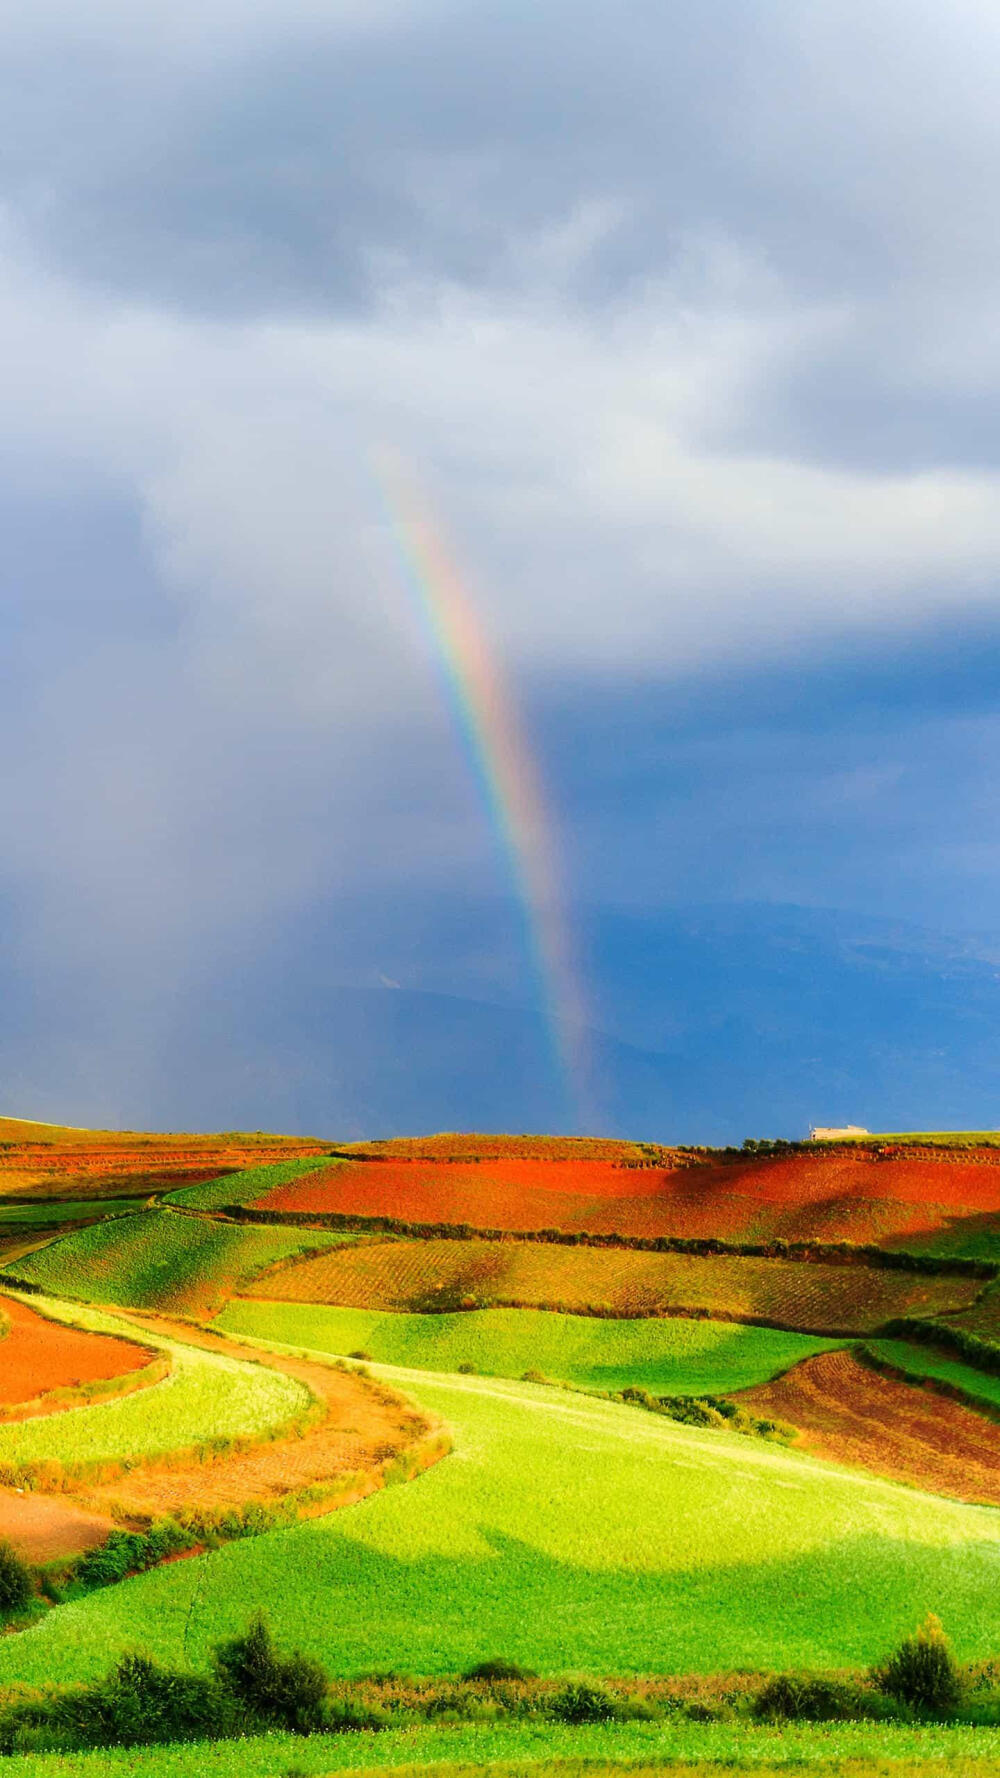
(682, 319)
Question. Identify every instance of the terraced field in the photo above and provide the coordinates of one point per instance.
(161, 1259)
(569, 1533)
(206, 1396)
(426, 1275)
(54, 1161)
(245, 1186)
(39, 1355)
(851, 1194)
(851, 1414)
(676, 1357)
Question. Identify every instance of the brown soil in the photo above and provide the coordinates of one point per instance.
(364, 1424)
(38, 1355)
(47, 1528)
(851, 1414)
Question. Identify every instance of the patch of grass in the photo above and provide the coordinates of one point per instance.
(924, 1362)
(572, 1534)
(206, 1396)
(679, 1357)
(161, 1259)
(51, 1213)
(243, 1187)
(528, 1750)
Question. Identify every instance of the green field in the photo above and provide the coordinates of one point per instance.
(923, 1361)
(161, 1259)
(50, 1212)
(207, 1395)
(675, 1357)
(565, 1532)
(508, 1750)
(243, 1187)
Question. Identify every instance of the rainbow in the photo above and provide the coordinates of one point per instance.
(487, 721)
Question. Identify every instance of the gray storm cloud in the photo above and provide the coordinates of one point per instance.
(688, 328)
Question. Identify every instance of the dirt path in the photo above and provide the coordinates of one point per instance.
(365, 1423)
(850, 1414)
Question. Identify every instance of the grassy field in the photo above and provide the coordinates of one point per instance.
(410, 1274)
(205, 1396)
(569, 1533)
(923, 1361)
(52, 1213)
(243, 1187)
(160, 1259)
(676, 1357)
(521, 1750)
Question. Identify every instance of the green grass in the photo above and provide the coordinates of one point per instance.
(923, 1361)
(939, 1138)
(161, 1259)
(50, 1212)
(509, 1750)
(565, 1532)
(675, 1357)
(242, 1188)
(207, 1395)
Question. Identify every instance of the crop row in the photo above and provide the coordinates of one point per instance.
(445, 1275)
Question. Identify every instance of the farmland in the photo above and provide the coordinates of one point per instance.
(420, 1275)
(528, 1540)
(160, 1259)
(538, 1518)
(675, 1357)
(854, 1193)
(205, 1396)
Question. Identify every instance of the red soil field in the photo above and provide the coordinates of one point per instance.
(450, 1146)
(38, 1355)
(850, 1414)
(857, 1196)
(83, 1163)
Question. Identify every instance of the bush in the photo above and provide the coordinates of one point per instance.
(497, 1668)
(582, 1702)
(359, 1352)
(16, 1588)
(923, 1672)
(281, 1691)
(803, 1697)
(465, 1369)
(140, 1702)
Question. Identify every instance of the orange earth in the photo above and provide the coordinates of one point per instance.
(858, 1196)
(851, 1414)
(38, 1355)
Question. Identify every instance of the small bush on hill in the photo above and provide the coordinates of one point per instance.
(497, 1668)
(582, 1702)
(803, 1697)
(141, 1702)
(15, 1582)
(923, 1672)
(281, 1691)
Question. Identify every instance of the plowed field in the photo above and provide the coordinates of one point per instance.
(43, 1529)
(851, 1414)
(424, 1275)
(852, 1196)
(38, 1355)
(37, 1160)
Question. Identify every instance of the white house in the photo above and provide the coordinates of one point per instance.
(822, 1134)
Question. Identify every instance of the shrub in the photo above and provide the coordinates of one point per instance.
(359, 1352)
(806, 1698)
(141, 1702)
(465, 1369)
(497, 1668)
(923, 1672)
(16, 1587)
(282, 1691)
(582, 1702)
